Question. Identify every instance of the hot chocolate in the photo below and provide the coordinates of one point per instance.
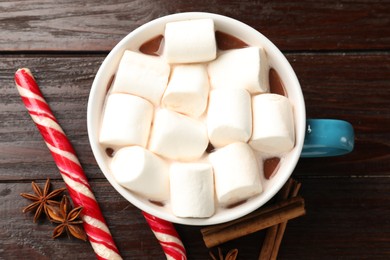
(199, 112)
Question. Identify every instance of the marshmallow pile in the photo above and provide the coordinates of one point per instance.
(162, 113)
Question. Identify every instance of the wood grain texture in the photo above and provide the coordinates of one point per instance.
(355, 88)
(340, 51)
(75, 25)
(65, 83)
(345, 217)
(337, 199)
(344, 86)
(19, 236)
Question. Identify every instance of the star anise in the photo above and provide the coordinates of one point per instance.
(41, 199)
(68, 220)
(231, 255)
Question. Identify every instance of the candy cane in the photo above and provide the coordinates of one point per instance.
(167, 236)
(68, 164)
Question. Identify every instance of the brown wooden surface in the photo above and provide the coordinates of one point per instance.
(340, 51)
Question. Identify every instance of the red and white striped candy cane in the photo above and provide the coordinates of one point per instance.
(65, 158)
(167, 236)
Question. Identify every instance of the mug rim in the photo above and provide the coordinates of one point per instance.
(101, 80)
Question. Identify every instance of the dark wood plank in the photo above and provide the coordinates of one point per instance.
(340, 52)
(345, 217)
(20, 236)
(78, 25)
(65, 82)
(350, 87)
(354, 88)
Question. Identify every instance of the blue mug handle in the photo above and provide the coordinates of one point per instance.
(327, 137)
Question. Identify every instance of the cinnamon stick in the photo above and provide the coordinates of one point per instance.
(282, 227)
(269, 240)
(258, 220)
(275, 233)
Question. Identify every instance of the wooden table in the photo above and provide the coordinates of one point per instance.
(340, 51)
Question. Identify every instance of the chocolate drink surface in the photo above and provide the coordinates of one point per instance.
(195, 116)
(225, 42)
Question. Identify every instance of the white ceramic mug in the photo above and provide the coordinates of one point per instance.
(227, 25)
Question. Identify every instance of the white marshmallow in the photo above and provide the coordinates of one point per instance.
(273, 124)
(187, 90)
(192, 190)
(229, 116)
(236, 173)
(245, 68)
(190, 41)
(126, 120)
(141, 171)
(142, 75)
(177, 136)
